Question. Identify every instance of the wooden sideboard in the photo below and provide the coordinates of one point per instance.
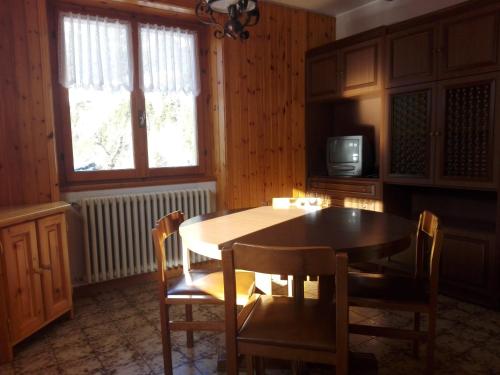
(425, 93)
(35, 284)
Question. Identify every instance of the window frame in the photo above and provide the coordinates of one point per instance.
(141, 173)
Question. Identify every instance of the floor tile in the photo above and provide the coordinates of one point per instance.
(118, 332)
(85, 365)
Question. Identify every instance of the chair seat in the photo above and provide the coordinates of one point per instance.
(278, 320)
(387, 287)
(212, 284)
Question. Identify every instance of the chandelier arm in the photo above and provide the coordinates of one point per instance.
(255, 14)
(238, 20)
(203, 10)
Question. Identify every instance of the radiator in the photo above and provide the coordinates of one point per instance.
(117, 231)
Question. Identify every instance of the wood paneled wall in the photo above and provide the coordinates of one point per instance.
(259, 104)
(27, 154)
(257, 101)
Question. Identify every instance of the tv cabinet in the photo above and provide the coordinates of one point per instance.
(433, 116)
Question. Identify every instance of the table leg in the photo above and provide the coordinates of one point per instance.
(326, 288)
(298, 288)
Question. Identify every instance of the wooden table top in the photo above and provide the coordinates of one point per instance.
(365, 235)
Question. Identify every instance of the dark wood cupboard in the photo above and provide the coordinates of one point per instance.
(438, 140)
(470, 44)
(343, 72)
(468, 263)
(322, 77)
(411, 56)
(456, 149)
(410, 143)
(361, 67)
(466, 133)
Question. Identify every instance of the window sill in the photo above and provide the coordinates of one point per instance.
(132, 183)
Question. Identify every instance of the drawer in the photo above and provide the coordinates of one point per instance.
(342, 188)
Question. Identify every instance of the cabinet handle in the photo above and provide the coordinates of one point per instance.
(46, 268)
(37, 270)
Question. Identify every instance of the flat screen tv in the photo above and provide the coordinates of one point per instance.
(349, 156)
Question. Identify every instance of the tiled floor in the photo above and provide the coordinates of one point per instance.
(117, 332)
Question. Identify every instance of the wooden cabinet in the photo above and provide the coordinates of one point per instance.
(466, 134)
(34, 271)
(455, 149)
(438, 139)
(347, 187)
(411, 56)
(470, 44)
(360, 68)
(409, 142)
(362, 193)
(22, 279)
(322, 73)
(468, 264)
(54, 265)
(351, 70)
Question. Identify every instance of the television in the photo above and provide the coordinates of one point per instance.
(349, 156)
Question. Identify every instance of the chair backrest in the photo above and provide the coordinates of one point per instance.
(164, 228)
(284, 260)
(302, 202)
(291, 261)
(428, 246)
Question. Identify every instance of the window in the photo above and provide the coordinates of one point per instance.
(131, 102)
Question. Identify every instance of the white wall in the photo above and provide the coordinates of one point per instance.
(382, 12)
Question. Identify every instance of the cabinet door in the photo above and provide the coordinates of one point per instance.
(411, 56)
(466, 133)
(322, 79)
(467, 263)
(410, 146)
(470, 44)
(361, 68)
(54, 265)
(22, 271)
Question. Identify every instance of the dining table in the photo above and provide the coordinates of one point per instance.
(364, 235)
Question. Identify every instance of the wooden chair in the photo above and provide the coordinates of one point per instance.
(306, 330)
(416, 294)
(194, 287)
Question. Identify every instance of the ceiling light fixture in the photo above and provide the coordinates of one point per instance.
(241, 14)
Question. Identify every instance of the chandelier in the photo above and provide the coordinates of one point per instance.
(240, 14)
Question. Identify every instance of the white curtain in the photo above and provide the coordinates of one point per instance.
(95, 52)
(169, 60)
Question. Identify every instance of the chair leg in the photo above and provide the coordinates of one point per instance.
(259, 365)
(250, 366)
(165, 337)
(416, 327)
(431, 337)
(189, 334)
(231, 361)
(298, 368)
